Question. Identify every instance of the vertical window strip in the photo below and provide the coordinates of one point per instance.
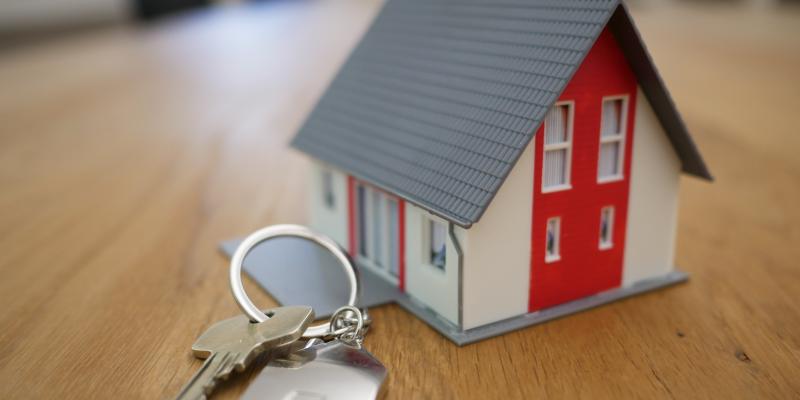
(394, 235)
(377, 233)
(361, 207)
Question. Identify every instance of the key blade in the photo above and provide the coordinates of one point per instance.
(204, 380)
(235, 342)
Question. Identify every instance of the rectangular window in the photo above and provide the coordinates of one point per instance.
(394, 237)
(612, 139)
(327, 189)
(361, 207)
(552, 240)
(377, 234)
(607, 227)
(557, 148)
(437, 244)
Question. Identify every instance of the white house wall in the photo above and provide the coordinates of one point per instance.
(434, 288)
(653, 202)
(330, 221)
(497, 251)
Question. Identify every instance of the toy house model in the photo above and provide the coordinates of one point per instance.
(496, 160)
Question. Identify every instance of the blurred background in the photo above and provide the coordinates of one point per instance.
(24, 21)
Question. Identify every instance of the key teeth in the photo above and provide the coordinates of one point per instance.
(226, 367)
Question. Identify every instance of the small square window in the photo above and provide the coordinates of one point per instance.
(327, 189)
(552, 240)
(437, 244)
(606, 228)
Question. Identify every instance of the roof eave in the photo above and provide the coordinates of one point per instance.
(630, 40)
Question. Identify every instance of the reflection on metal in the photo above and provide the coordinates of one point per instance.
(330, 371)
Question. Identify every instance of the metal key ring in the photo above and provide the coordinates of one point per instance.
(271, 232)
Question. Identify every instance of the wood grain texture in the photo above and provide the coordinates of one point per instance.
(127, 155)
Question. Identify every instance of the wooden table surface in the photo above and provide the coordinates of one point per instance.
(126, 155)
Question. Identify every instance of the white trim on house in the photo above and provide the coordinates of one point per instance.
(653, 202)
(619, 138)
(331, 221)
(497, 251)
(437, 289)
(565, 145)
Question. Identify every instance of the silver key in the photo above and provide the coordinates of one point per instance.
(235, 342)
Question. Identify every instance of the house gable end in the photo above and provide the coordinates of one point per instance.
(631, 43)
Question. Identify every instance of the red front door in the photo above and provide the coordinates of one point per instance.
(581, 181)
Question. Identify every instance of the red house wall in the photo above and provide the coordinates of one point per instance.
(584, 269)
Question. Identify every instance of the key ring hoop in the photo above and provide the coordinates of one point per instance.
(274, 231)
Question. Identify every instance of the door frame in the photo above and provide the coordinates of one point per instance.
(355, 235)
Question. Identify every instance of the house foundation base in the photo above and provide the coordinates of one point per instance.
(295, 273)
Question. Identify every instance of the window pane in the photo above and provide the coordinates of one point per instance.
(438, 239)
(362, 219)
(377, 228)
(394, 256)
(327, 188)
(555, 167)
(552, 238)
(609, 163)
(555, 125)
(606, 227)
(612, 118)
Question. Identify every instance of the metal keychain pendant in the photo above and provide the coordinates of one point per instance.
(337, 370)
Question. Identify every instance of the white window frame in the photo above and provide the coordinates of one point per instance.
(609, 243)
(621, 138)
(427, 220)
(550, 258)
(560, 146)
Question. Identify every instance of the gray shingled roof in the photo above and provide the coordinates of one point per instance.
(440, 98)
